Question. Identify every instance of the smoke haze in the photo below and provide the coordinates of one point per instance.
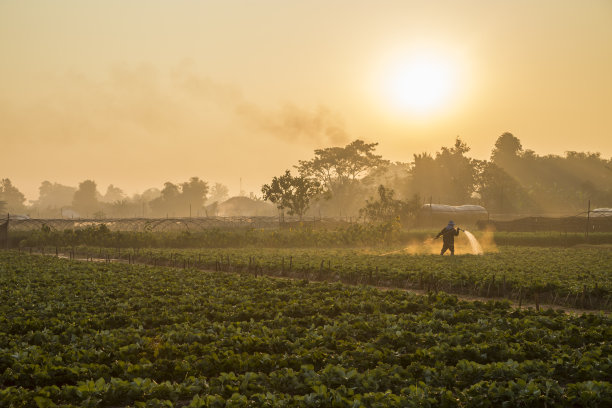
(138, 93)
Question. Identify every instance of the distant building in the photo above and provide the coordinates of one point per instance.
(434, 214)
(601, 212)
(246, 207)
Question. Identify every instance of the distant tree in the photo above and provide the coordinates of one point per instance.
(85, 200)
(501, 193)
(218, 193)
(124, 208)
(176, 199)
(291, 193)
(449, 177)
(113, 194)
(459, 171)
(335, 166)
(14, 199)
(507, 147)
(193, 192)
(54, 195)
(387, 208)
(168, 200)
(340, 169)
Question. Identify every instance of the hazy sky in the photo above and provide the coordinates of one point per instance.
(139, 92)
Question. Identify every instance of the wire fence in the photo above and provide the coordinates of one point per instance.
(176, 224)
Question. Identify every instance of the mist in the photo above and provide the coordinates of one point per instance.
(358, 184)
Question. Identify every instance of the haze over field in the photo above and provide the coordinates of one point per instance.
(138, 93)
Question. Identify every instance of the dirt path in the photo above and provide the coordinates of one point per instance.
(468, 298)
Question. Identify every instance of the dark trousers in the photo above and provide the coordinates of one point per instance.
(448, 246)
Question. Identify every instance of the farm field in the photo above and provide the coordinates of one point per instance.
(114, 334)
(570, 277)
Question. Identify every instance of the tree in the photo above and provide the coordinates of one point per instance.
(218, 193)
(387, 208)
(176, 199)
(500, 193)
(113, 194)
(335, 166)
(339, 170)
(54, 195)
(13, 198)
(167, 201)
(459, 171)
(291, 193)
(85, 199)
(507, 147)
(125, 208)
(194, 192)
(449, 177)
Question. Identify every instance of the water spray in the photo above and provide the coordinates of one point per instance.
(476, 248)
(474, 244)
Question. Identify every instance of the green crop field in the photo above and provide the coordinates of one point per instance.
(569, 277)
(113, 334)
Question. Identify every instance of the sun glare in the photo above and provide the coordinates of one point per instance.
(419, 84)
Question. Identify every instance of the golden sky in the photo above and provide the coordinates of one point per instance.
(136, 93)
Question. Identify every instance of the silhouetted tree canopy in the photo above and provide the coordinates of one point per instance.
(85, 200)
(449, 177)
(339, 170)
(506, 147)
(14, 199)
(177, 200)
(52, 197)
(291, 193)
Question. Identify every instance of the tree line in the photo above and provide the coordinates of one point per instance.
(55, 200)
(354, 181)
(512, 180)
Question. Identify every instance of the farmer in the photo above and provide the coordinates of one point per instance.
(448, 237)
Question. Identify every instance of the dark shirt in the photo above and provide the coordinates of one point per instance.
(448, 235)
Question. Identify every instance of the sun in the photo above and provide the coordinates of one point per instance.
(419, 84)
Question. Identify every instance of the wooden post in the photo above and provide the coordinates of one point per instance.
(588, 220)
(430, 211)
(4, 232)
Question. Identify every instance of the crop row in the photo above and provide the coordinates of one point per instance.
(355, 235)
(571, 277)
(98, 334)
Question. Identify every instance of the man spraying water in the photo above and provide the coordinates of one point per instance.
(448, 234)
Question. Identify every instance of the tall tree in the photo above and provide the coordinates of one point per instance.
(450, 177)
(193, 193)
(218, 193)
(507, 147)
(339, 170)
(14, 199)
(85, 200)
(168, 200)
(54, 195)
(459, 171)
(501, 193)
(113, 194)
(291, 193)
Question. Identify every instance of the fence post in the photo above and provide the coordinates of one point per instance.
(588, 220)
(4, 232)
